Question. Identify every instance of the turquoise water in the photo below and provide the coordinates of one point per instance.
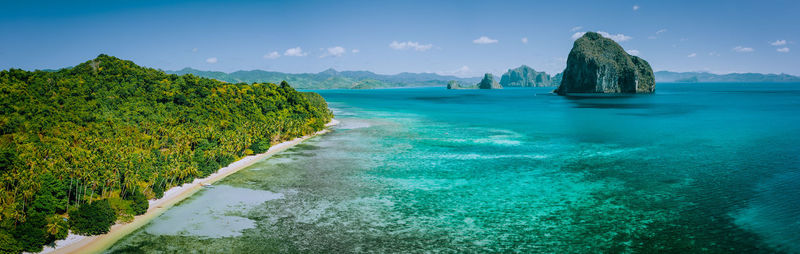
(695, 167)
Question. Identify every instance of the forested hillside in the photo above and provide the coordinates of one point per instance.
(332, 79)
(86, 146)
(695, 77)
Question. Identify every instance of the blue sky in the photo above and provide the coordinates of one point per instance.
(464, 38)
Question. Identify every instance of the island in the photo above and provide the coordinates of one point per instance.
(525, 76)
(85, 147)
(706, 77)
(488, 82)
(330, 78)
(454, 85)
(598, 65)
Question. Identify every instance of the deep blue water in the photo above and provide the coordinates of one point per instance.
(694, 167)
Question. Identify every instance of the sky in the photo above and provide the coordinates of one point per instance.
(462, 38)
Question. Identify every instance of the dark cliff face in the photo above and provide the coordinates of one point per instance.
(488, 82)
(525, 76)
(600, 65)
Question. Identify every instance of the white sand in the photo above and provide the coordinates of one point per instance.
(92, 244)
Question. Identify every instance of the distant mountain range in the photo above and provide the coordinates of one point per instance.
(699, 77)
(332, 79)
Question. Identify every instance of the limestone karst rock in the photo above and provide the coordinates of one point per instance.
(525, 76)
(488, 82)
(600, 65)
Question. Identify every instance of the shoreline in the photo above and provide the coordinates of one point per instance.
(97, 243)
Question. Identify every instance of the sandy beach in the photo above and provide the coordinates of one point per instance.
(93, 244)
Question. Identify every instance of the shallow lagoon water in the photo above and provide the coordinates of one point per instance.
(212, 214)
(695, 167)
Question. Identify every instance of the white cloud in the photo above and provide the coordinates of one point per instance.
(410, 45)
(633, 52)
(692, 55)
(525, 40)
(576, 28)
(463, 71)
(272, 55)
(615, 37)
(713, 53)
(297, 51)
(334, 52)
(194, 49)
(484, 40)
(778, 43)
(783, 50)
(659, 32)
(741, 49)
(355, 51)
(635, 7)
(211, 60)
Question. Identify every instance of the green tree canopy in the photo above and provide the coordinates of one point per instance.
(108, 129)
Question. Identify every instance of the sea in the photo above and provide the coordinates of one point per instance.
(694, 167)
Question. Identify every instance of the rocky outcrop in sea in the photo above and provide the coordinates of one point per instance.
(525, 76)
(598, 65)
(488, 82)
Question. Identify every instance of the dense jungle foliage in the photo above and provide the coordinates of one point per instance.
(84, 147)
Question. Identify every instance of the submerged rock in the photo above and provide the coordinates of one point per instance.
(488, 82)
(600, 65)
(525, 76)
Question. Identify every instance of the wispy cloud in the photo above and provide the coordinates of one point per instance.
(194, 50)
(778, 43)
(713, 53)
(355, 51)
(211, 60)
(633, 52)
(462, 71)
(635, 7)
(524, 40)
(659, 32)
(296, 51)
(576, 28)
(334, 52)
(615, 37)
(272, 55)
(783, 50)
(692, 55)
(484, 40)
(410, 45)
(741, 49)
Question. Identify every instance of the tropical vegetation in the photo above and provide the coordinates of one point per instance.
(87, 146)
(332, 79)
